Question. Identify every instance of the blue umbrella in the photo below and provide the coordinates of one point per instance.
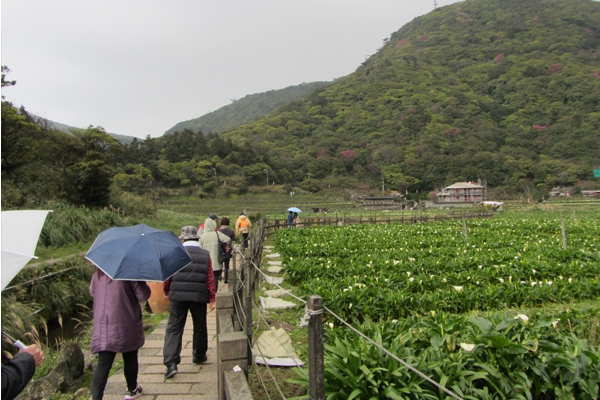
(138, 253)
(294, 209)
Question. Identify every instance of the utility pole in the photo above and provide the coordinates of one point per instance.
(214, 169)
(267, 171)
(141, 171)
(382, 185)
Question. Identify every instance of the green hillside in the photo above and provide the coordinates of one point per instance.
(70, 129)
(503, 90)
(247, 109)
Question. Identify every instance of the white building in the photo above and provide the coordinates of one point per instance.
(461, 192)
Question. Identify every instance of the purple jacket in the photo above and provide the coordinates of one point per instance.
(118, 325)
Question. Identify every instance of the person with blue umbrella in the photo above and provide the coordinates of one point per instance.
(291, 218)
(125, 259)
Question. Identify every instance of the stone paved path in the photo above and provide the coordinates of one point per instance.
(193, 382)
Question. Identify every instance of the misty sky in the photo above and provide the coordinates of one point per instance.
(139, 67)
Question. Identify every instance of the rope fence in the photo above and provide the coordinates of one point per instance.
(249, 276)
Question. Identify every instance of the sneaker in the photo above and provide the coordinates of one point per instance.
(200, 360)
(171, 371)
(130, 395)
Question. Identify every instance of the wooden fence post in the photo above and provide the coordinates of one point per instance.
(316, 363)
(564, 235)
(233, 278)
(465, 230)
(248, 303)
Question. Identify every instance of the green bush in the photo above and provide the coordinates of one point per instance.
(129, 204)
(310, 185)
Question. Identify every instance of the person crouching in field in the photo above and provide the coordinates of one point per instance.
(118, 328)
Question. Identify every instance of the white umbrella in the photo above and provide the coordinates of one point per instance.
(20, 233)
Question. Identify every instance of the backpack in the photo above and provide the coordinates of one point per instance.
(244, 225)
(221, 250)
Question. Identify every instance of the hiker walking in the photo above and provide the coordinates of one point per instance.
(211, 240)
(190, 289)
(242, 227)
(228, 253)
(118, 328)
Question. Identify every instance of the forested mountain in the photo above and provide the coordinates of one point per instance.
(246, 109)
(507, 91)
(503, 90)
(69, 129)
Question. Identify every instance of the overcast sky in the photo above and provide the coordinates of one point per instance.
(138, 67)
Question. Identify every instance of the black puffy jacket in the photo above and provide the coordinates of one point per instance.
(190, 283)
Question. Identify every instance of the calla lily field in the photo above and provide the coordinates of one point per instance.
(457, 307)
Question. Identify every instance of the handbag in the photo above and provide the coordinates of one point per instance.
(220, 250)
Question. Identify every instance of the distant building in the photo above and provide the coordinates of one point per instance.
(461, 192)
(378, 203)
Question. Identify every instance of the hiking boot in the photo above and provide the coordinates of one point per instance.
(130, 395)
(171, 371)
(200, 360)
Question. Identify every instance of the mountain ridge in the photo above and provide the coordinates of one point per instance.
(246, 109)
(69, 129)
(482, 88)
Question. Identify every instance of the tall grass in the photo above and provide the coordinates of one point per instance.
(69, 224)
(26, 311)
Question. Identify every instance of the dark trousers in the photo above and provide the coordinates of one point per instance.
(245, 240)
(226, 269)
(217, 275)
(105, 362)
(177, 315)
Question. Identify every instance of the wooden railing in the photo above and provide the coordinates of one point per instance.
(341, 220)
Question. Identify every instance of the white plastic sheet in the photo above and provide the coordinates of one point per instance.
(276, 293)
(273, 281)
(274, 255)
(273, 344)
(279, 361)
(271, 303)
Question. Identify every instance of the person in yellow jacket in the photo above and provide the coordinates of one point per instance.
(242, 227)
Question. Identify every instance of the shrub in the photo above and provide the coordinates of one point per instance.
(310, 185)
(130, 204)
